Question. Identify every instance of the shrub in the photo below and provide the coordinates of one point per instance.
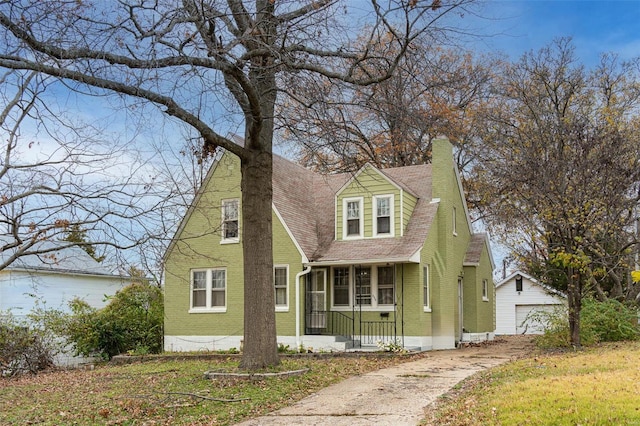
(22, 349)
(607, 321)
(610, 321)
(130, 323)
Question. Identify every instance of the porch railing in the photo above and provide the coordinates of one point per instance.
(371, 332)
(358, 331)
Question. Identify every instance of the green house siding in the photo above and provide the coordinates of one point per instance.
(366, 185)
(286, 253)
(199, 246)
(479, 313)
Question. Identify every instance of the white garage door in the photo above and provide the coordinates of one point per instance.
(525, 324)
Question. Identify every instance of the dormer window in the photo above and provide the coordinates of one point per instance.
(383, 215)
(353, 221)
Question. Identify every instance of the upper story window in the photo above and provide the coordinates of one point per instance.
(353, 225)
(230, 214)
(383, 215)
(209, 290)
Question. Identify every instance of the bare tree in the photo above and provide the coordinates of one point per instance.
(559, 171)
(57, 178)
(435, 91)
(200, 58)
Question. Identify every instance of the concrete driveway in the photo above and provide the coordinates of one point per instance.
(397, 395)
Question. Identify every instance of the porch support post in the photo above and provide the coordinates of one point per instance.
(299, 275)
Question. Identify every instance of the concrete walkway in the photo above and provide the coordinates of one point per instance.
(397, 395)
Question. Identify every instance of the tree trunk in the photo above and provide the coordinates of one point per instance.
(260, 343)
(574, 296)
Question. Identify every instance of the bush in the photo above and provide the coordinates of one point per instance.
(22, 349)
(608, 321)
(131, 322)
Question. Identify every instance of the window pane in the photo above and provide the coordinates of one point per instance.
(281, 296)
(353, 209)
(199, 280)
(199, 298)
(384, 225)
(217, 298)
(230, 229)
(353, 227)
(383, 207)
(385, 296)
(341, 286)
(218, 279)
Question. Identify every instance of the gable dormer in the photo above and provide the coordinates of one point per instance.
(372, 205)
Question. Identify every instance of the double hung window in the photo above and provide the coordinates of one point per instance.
(353, 225)
(383, 215)
(209, 289)
(280, 282)
(230, 226)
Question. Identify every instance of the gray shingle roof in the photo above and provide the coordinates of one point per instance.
(56, 257)
(306, 202)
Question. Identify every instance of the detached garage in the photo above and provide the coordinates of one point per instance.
(518, 296)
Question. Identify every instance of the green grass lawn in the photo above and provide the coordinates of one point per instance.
(596, 386)
(167, 392)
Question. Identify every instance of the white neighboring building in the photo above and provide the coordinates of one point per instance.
(53, 279)
(517, 296)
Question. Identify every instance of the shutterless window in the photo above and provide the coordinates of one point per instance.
(230, 219)
(363, 286)
(353, 218)
(341, 286)
(454, 224)
(485, 290)
(385, 285)
(208, 289)
(383, 215)
(199, 289)
(426, 300)
(280, 283)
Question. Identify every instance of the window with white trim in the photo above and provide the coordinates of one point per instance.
(363, 286)
(426, 296)
(341, 286)
(454, 224)
(281, 284)
(485, 290)
(353, 223)
(386, 285)
(370, 287)
(230, 222)
(208, 289)
(383, 215)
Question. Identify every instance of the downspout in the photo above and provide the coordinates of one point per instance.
(299, 275)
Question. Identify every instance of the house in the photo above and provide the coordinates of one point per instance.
(50, 280)
(518, 297)
(375, 256)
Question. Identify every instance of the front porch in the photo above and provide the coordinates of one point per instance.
(352, 328)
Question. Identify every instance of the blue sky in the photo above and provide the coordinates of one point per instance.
(518, 26)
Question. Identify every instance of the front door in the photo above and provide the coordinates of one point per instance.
(316, 301)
